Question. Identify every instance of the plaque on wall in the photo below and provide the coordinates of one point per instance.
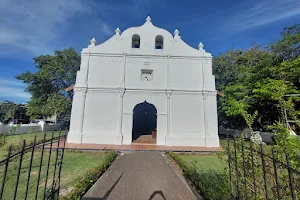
(147, 75)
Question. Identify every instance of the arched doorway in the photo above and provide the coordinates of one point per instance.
(144, 123)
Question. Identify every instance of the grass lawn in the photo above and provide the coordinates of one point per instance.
(206, 172)
(29, 137)
(204, 162)
(75, 165)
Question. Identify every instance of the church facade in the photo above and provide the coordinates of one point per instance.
(145, 65)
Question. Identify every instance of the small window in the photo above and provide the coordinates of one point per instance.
(135, 41)
(159, 42)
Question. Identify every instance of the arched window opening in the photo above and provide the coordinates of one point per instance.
(159, 42)
(135, 41)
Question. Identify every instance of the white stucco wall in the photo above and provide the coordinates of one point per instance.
(108, 87)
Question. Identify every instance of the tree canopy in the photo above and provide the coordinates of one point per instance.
(12, 110)
(259, 79)
(47, 85)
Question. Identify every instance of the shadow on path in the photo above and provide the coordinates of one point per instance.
(157, 193)
(107, 193)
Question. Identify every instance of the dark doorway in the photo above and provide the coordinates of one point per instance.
(144, 122)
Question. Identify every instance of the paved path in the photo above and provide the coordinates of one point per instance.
(139, 176)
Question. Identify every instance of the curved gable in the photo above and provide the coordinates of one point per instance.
(122, 43)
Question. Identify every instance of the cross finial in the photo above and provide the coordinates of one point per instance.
(118, 32)
(148, 19)
(93, 42)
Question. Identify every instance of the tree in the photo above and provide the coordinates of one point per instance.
(288, 47)
(258, 80)
(12, 110)
(47, 85)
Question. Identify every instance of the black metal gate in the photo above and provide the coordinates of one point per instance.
(261, 172)
(33, 171)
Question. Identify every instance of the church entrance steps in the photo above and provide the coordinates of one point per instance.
(145, 139)
(141, 147)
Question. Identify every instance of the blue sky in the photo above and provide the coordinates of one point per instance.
(29, 28)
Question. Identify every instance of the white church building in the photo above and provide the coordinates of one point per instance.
(145, 66)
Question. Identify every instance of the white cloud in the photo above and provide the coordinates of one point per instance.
(35, 27)
(106, 29)
(31, 25)
(264, 12)
(12, 89)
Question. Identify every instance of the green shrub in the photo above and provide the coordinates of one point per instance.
(3, 136)
(286, 143)
(262, 168)
(3, 139)
(88, 180)
(211, 184)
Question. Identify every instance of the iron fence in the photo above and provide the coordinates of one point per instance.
(33, 170)
(259, 171)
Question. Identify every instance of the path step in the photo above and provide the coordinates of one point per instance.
(145, 139)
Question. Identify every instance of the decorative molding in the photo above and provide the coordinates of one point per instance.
(97, 86)
(185, 61)
(148, 19)
(80, 90)
(187, 96)
(121, 92)
(102, 92)
(176, 34)
(92, 42)
(127, 113)
(146, 93)
(184, 87)
(118, 32)
(84, 61)
(106, 58)
(142, 60)
(114, 94)
(206, 55)
(205, 95)
(169, 93)
(153, 90)
(207, 58)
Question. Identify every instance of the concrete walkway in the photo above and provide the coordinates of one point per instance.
(139, 176)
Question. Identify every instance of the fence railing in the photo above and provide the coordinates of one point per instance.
(261, 172)
(33, 171)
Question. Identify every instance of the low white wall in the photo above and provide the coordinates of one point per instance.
(4, 128)
(55, 127)
(30, 128)
(266, 136)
